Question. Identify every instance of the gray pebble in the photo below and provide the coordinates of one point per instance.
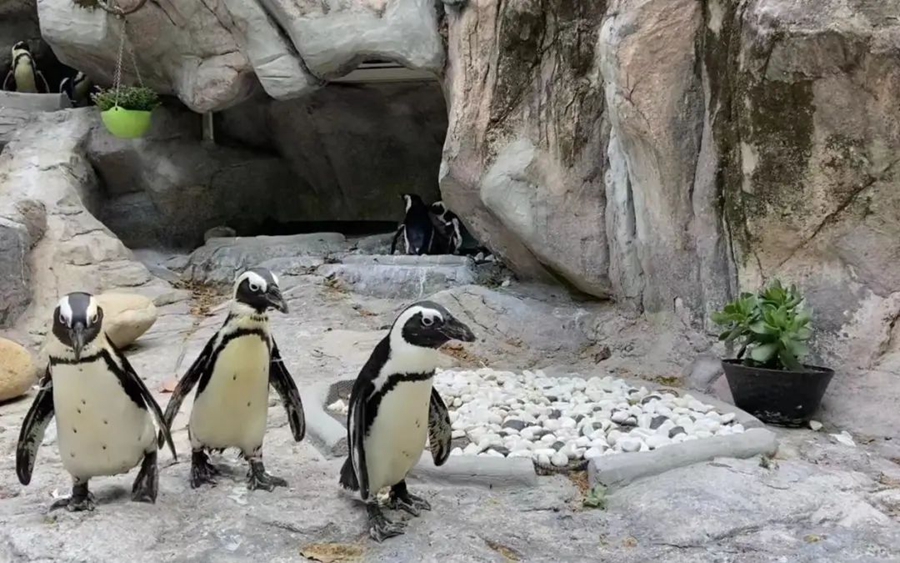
(555, 413)
(657, 422)
(676, 431)
(649, 398)
(630, 421)
(501, 450)
(515, 424)
(558, 445)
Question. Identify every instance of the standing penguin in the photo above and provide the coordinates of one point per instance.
(394, 407)
(23, 75)
(417, 229)
(233, 374)
(78, 89)
(102, 408)
(459, 240)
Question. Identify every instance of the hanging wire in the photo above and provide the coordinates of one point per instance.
(117, 80)
(112, 7)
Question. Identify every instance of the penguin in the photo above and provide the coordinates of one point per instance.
(23, 75)
(104, 412)
(416, 229)
(233, 374)
(78, 89)
(394, 407)
(459, 240)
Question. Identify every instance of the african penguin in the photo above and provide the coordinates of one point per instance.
(460, 241)
(394, 407)
(23, 75)
(77, 88)
(233, 374)
(104, 412)
(416, 228)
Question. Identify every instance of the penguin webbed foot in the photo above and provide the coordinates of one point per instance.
(202, 471)
(81, 500)
(380, 528)
(146, 485)
(257, 478)
(401, 499)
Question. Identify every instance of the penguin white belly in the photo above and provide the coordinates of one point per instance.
(25, 82)
(397, 437)
(101, 431)
(231, 411)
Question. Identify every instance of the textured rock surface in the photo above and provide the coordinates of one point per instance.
(399, 277)
(17, 370)
(49, 191)
(816, 502)
(215, 54)
(126, 317)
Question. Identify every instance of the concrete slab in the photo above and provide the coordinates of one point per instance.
(34, 102)
(621, 469)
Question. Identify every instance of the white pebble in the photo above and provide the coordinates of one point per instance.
(619, 417)
(630, 444)
(656, 441)
(560, 459)
(727, 417)
(815, 425)
(542, 459)
(336, 406)
(737, 429)
(567, 422)
(591, 453)
(456, 451)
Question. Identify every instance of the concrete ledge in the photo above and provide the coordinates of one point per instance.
(623, 468)
(34, 102)
(326, 432)
(478, 470)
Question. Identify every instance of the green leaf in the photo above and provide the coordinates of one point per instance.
(761, 327)
(764, 353)
(596, 498)
(789, 361)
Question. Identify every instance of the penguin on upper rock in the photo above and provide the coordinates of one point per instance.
(416, 229)
(104, 412)
(78, 89)
(24, 77)
(451, 229)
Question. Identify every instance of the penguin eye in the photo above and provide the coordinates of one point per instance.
(62, 319)
(427, 321)
(254, 287)
(94, 318)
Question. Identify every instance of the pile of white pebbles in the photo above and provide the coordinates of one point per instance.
(560, 420)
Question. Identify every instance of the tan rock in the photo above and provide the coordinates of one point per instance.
(17, 371)
(126, 316)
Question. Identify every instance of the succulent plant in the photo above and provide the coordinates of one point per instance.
(772, 327)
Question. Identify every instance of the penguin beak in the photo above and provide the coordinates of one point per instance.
(76, 335)
(276, 300)
(455, 330)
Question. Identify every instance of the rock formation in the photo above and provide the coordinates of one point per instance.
(665, 154)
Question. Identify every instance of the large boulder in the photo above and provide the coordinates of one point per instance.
(213, 55)
(17, 370)
(126, 316)
(51, 242)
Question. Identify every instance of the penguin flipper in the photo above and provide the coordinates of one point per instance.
(439, 431)
(32, 433)
(39, 74)
(9, 83)
(396, 238)
(187, 382)
(356, 432)
(134, 386)
(284, 385)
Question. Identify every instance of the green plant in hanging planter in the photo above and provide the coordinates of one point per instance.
(771, 327)
(126, 112)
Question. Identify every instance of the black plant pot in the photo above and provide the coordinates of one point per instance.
(783, 398)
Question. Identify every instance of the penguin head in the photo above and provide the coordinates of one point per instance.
(77, 320)
(428, 325)
(20, 47)
(258, 288)
(438, 208)
(411, 200)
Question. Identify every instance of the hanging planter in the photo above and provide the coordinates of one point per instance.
(126, 112)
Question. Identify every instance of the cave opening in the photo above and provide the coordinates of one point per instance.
(337, 160)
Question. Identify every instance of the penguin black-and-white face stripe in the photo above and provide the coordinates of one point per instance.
(428, 325)
(258, 288)
(77, 321)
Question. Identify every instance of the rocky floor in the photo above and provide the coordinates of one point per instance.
(818, 500)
